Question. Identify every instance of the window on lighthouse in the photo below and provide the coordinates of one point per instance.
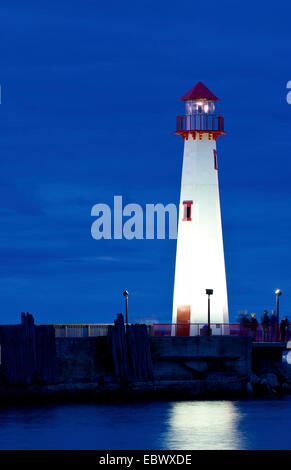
(215, 159)
(187, 210)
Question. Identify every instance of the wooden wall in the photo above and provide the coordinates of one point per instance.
(130, 347)
(28, 352)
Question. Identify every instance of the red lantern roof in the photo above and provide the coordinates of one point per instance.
(199, 91)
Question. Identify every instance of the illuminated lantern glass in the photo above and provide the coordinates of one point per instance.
(199, 107)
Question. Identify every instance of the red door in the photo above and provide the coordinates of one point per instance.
(183, 321)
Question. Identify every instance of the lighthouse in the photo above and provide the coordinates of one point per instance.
(200, 261)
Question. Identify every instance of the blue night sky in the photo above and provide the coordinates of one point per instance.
(90, 94)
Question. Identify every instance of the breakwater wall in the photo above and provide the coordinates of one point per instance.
(192, 366)
(128, 361)
(179, 358)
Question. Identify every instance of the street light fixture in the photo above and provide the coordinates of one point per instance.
(209, 292)
(278, 292)
(125, 293)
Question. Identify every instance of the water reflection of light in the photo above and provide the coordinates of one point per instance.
(203, 425)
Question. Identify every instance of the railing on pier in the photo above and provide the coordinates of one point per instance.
(271, 333)
(200, 122)
(81, 330)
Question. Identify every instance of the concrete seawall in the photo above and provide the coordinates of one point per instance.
(185, 358)
(173, 358)
(196, 366)
(210, 367)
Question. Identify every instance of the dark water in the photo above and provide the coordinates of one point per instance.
(250, 424)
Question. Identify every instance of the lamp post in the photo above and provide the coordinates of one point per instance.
(125, 293)
(209, 292)
(278, 292)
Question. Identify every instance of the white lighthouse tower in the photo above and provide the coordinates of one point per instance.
(200, 257)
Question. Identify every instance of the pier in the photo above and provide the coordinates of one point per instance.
(120, 360)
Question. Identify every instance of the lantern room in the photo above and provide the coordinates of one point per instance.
(199, 114)
(200, 107)
(199, 100)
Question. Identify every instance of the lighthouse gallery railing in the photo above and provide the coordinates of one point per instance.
(200, 122)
